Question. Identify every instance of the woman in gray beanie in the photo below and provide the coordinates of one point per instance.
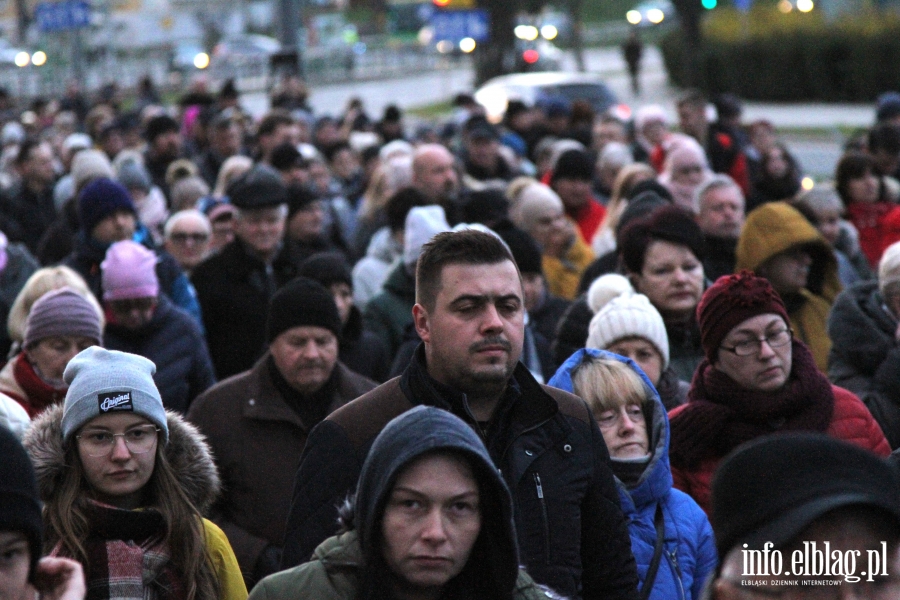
(124, 484)
(60, 324)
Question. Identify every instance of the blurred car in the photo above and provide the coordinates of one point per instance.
(188, 56)
(12, 56)
(535, 88)
(537, 55)
(652, 12)
(245, 46)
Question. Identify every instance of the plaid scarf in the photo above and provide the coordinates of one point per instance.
(127, 560)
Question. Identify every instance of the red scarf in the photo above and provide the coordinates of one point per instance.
(39, 395)
(721, 415)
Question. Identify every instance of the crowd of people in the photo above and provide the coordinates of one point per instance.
(337, 356)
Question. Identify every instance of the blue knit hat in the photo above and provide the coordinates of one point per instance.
(107, 381)
(101, 198)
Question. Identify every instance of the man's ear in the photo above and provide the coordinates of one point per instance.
(421, 322)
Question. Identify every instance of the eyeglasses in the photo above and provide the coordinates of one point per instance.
(138, 440)
(183, 238)
(750, 347)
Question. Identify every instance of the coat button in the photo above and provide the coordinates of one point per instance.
(251, 402)
(567, 448)
(529, 452)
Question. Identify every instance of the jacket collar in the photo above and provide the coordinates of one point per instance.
(264, 402)
(524, 405)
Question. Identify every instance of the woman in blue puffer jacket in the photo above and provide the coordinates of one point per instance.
(635, 427)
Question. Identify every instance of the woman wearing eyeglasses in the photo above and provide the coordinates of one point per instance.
(123, 485)
(756, 379)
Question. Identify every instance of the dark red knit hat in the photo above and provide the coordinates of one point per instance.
(730, 301)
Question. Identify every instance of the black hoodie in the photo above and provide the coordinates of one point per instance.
(492, 568)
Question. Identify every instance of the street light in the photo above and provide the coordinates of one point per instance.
(39, 58)
(805, 6)
(549, 32)
(22, 59)
(633, 17)
(467, 45)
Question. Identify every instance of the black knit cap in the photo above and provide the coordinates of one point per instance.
(771, 489)
(524, 249)
(299, 197)
(159, 125)
(302, 302)
(20, 508)
(573, 164)
(260, 187)
(327, 268)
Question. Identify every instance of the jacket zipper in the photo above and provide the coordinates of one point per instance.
(544, 521)
(673, 560)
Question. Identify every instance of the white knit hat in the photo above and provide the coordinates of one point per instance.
(605, 288)
(422, 224)
(629, 315)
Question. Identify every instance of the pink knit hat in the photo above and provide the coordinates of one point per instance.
(129, 271)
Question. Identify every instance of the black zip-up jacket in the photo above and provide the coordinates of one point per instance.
(571, 532)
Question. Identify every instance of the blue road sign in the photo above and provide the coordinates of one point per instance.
(458, 24)
(62, 16)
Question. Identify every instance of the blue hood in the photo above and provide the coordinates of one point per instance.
(656, 481)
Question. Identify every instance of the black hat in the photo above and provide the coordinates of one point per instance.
(260, 187)
(524, 249)
(327, 268)
(486, 207)
(299, 197)
(640, 206)
(159, 125)
(286, 156)
(773, 488)
(479, 128)
(20, 508)
(573, 164)
(302, 302)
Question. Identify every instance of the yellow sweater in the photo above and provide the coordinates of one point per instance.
(564, 274)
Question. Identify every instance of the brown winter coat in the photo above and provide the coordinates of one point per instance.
(257, 439)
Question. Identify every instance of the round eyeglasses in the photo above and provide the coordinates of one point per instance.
(138, 440)
(749, 347)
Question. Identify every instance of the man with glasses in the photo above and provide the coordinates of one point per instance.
(756, 379)
(805, 516)
(142, 321)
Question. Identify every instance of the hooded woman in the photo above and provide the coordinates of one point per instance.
(124, 484)
(431, 518)
(662, 521)
(778, 243)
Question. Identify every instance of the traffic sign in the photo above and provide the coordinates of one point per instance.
(458, 24)
(62, 16)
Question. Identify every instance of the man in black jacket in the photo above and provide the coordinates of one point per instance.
(234, 285)
(469, 314)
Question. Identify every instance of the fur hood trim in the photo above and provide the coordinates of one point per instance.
(187, 452)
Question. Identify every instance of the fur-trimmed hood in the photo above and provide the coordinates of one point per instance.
(187, 452)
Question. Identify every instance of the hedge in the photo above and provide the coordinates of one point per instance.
(792, 57)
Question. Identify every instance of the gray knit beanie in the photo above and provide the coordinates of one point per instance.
(62, 312)
(106, 381)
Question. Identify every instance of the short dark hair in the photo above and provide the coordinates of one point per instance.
(667, 224)
(852, 165)
(466, 247)
(272, 120)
